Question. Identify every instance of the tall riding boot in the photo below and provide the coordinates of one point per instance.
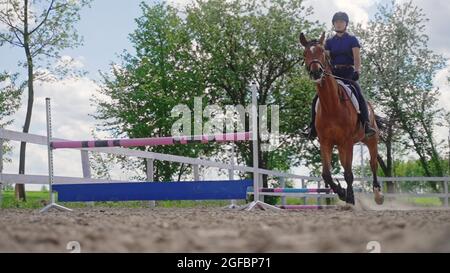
(311, 132)
(368, 130)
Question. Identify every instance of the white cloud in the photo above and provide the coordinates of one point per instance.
(357, 10)
(441, 81)
(70, 103)
(69, 62)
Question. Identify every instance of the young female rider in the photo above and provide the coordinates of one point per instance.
(344, 50)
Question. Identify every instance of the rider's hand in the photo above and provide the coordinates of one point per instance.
(356, 76)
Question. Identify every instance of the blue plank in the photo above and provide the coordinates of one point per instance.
(204, 190)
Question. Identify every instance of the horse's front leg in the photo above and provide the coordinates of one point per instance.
(326, 150)
(346, 158)
(372, 144)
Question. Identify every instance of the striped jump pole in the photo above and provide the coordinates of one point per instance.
(53, 203)
(296, 190)
(306, 207)
(157, 141)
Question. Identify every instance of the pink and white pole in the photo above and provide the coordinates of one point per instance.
(157, 141)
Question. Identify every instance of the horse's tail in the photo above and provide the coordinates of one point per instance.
(381, 122)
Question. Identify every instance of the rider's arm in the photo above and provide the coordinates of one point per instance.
(357, 58)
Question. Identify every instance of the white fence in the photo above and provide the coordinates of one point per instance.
(5, 178)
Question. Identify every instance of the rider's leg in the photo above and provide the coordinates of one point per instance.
(311, 132)
(347, 73)
(369, 131)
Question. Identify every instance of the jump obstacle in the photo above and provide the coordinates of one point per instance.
(197, 190)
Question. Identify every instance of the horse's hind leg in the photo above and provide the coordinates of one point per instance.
(326, 152)
(373, 150)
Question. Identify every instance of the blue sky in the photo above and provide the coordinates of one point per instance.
(106, 26)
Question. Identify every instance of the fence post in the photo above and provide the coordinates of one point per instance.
(283, 185)
(86, 167)
(1, 171)
(85, 164)
(319, 199)
(196, 173)
(303, 186)
(446, 193)
(150, 178)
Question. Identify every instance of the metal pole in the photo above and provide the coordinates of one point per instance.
(257, 203)
(50, 162)
(448, 174)
(255, 142)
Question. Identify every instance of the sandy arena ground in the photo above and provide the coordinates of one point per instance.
(220, 230)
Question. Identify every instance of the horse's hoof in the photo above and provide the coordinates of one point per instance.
(342, 194)
(348, 206)
(379, 197)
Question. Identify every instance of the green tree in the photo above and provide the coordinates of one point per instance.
(142, 91)
(215, 50)
(9, 97)
(9, 103)
(42, 28)
(398, 72)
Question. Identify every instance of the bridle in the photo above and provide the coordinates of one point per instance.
(315, 61)
(322, 68)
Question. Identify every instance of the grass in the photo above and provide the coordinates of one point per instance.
(309, 201)
(425, 201)
(35, 200)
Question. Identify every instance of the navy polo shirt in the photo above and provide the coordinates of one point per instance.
(341, 49)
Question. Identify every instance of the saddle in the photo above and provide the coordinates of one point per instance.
(350, 90)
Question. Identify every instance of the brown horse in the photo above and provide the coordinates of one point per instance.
(337, 122)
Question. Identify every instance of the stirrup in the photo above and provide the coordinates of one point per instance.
(368, 130)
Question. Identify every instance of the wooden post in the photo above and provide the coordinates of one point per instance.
(196, 173)
(304, 186)
(85, 164)
(150, 177)
(86, 167)
(319, 199)
(446, 193)
(283, 185)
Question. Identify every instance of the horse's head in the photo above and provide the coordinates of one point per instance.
(314, 57)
